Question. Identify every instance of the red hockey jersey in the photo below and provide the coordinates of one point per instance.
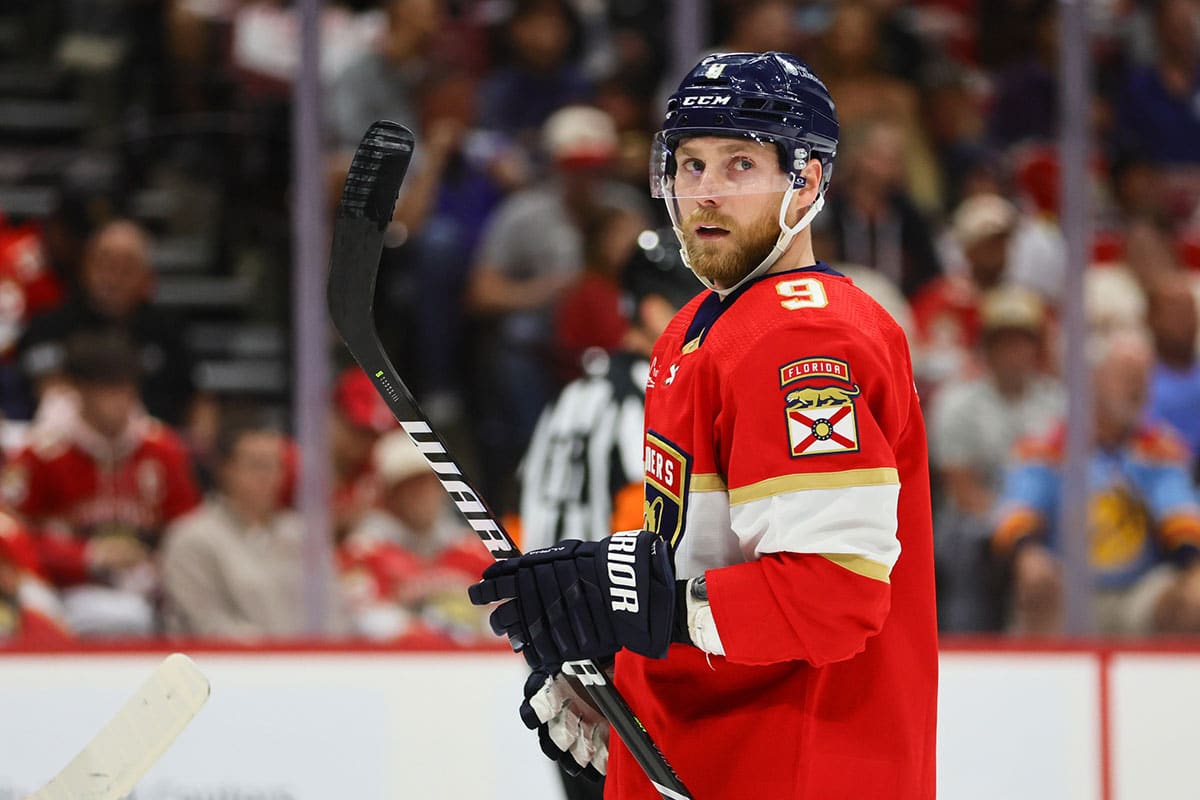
(786, 460)
(71, 484)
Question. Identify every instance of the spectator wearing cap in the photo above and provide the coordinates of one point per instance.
(973, 424)
(411, 558)
(98, 487)
(1143, 522)
(233, 568)
(359, 417)
(115, 289)
(946, 311)
(1113, 299)
(531, 252)
(30, 611)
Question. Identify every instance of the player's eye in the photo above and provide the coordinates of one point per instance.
(741, 164)
(692, 166)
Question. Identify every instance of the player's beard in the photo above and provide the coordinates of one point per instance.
(717, 261)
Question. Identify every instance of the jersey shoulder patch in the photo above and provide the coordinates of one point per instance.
(820, 406)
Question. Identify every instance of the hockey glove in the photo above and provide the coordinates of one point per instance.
(580, 600)
(570, 730)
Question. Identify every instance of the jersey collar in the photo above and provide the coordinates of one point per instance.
(712, 307)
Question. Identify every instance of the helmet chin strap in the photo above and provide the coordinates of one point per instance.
(786, 234)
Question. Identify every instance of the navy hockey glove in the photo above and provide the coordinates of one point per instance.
(580, 600)
(571, 731)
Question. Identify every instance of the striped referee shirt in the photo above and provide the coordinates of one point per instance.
(586, 447)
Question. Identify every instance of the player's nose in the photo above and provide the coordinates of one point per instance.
(711, 186)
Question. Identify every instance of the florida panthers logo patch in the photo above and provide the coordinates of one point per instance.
(820, 407)
(668, 470)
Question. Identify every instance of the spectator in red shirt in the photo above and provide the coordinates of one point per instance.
(30, 612)
(590, 314)
(98, 489)
(410, 559)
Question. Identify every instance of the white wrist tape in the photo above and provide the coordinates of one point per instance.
(701, 625)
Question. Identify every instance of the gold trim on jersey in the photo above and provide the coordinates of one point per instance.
(842, 479)
(861, 566)
(707, 482)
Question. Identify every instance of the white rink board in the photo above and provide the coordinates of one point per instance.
(1155, 726)
(291, 727)
(427, 726)
(1016, 725)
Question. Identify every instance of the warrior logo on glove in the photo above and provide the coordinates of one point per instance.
(622, 576)
(580, 600)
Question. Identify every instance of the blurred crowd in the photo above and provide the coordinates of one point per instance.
(135, 500)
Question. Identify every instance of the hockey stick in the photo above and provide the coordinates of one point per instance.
(117, 757)
(367, 204)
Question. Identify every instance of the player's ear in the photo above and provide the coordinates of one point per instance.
(807, 194)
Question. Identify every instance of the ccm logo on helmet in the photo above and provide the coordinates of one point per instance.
(707, 100)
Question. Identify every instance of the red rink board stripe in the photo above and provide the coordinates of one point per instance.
(1105, 659)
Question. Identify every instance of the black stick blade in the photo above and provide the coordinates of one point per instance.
(378, 169)
(368, 202)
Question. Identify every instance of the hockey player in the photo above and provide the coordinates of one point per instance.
(773, 621)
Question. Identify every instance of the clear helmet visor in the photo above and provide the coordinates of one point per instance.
(715, 164)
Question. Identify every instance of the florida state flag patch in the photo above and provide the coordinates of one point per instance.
(820, 406)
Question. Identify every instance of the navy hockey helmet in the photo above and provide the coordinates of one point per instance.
(768, 97)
